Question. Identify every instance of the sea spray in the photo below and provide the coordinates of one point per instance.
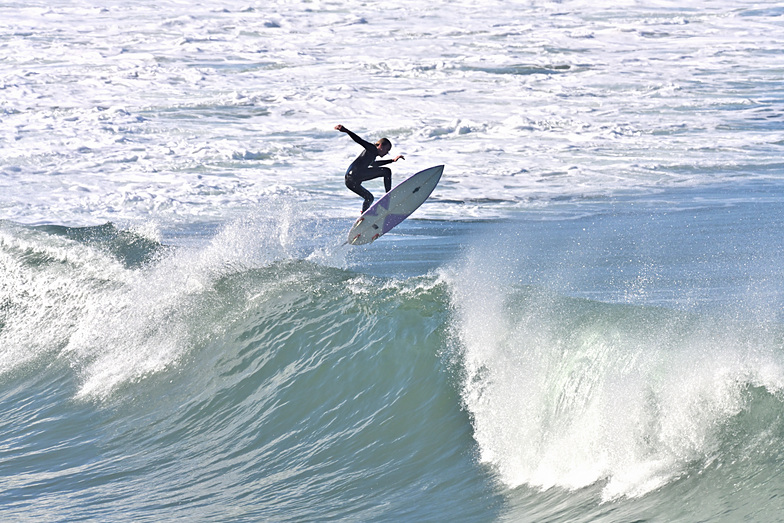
(120, 306)
(175, 304)
(567, 392)
(48, 283)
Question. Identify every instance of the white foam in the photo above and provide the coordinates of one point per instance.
(117, 325)
(122, 111)
(564, 393)
(46, 296)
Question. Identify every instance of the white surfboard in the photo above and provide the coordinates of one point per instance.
(395, 206)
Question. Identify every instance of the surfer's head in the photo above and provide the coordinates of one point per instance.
(383, 146)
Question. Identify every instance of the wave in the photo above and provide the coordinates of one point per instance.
(246, 367)
(257, 376)
(569, 393)
(119, 303)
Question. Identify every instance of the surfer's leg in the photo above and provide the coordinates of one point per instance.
(378, 172)
(356, 187)
(368, 200)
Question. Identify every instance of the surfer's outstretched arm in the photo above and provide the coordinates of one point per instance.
(360, 141)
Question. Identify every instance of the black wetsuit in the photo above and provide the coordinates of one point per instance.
(365, 168)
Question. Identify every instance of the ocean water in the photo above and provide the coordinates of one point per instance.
(585, 322)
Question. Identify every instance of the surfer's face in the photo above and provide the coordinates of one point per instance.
(383, 149)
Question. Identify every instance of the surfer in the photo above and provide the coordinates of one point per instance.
(366, 167)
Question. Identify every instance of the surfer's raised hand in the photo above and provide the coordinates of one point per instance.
(399, 158)
(340, 128)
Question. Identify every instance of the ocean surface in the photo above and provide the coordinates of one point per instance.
(584, 323)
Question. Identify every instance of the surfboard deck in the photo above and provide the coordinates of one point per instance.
(395, 206)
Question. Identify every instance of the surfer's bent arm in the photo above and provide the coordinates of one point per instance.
(379, 163)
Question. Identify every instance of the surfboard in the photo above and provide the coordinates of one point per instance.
(395, 206)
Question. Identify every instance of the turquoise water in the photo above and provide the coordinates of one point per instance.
(603, 366)
(287, 391)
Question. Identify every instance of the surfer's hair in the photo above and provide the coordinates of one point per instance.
(385, 142)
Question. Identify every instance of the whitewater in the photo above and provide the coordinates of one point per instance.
(583, 323)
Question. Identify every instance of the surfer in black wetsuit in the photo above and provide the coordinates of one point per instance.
(366, 167)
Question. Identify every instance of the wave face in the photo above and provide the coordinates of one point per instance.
(142, 380)
(239, 379)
